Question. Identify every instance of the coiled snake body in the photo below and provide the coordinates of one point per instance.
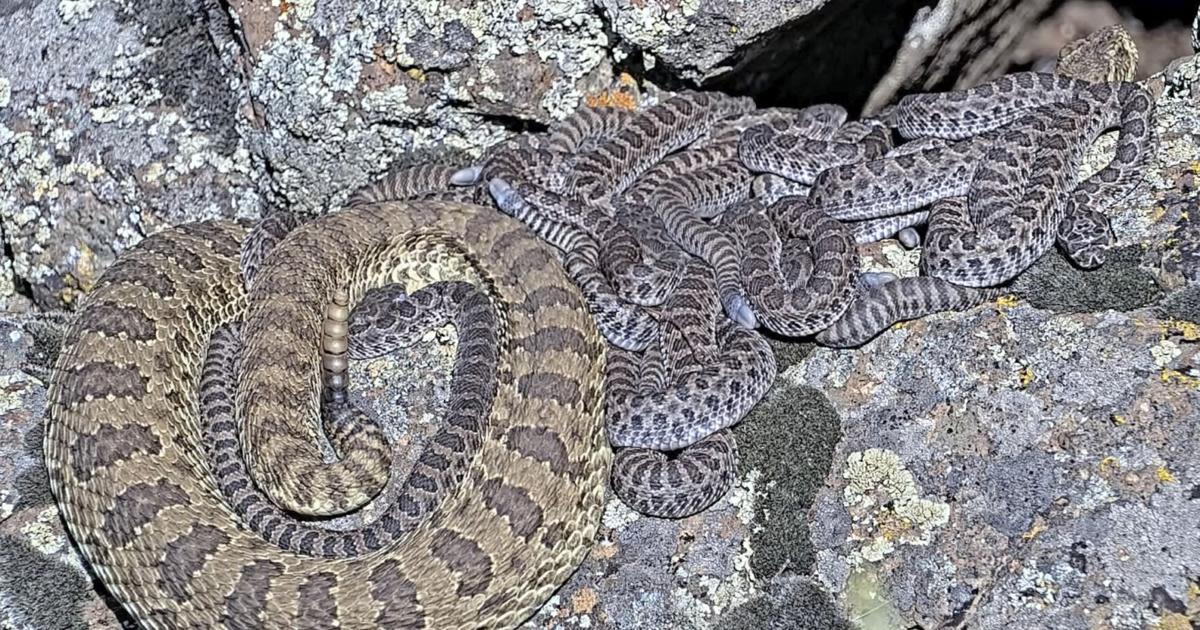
(127, 463)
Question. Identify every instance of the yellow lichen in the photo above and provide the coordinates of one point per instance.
(1173, 621)
(1118, 420)
(1189, 331)
(1025, 377)
(1109, 463)
(85, 267)
(1179, 378)
(415, 74)
(1164, 476)
(1038, 527)
(1005, 302)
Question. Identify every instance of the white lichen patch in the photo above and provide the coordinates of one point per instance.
(8, 285)
(40, 533)
(1164, 352)
(393, 101)
(744, 495)
(72, 11)
(896, 259)
(1035, 589)
(5, 93)
(651, 23)
(719, 595)
(885, 507)
(617, 515)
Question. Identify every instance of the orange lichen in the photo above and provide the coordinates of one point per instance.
(612, 98)
(584, 601)
(604, 551)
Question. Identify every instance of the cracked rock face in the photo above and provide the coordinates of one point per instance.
(120, 119)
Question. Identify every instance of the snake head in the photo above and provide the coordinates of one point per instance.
(506, 197)
(737, 307)
(468, 176)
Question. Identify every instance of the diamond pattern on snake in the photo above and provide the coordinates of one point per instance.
(188, 405)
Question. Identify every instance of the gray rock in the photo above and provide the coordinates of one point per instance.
(115, 121)
(1047, 445)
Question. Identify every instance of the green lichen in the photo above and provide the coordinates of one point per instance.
(790, 438)
(867, 601)
(1119, 284)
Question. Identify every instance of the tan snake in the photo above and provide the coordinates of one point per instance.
(128, 468)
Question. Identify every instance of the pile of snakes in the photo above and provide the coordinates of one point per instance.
(612, 281)
(692, 225)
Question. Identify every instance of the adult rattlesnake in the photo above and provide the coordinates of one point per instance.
(125, 450)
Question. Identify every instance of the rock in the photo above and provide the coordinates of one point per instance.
(953, 45)
(1041, 453)
(115, 122)
(1057, 429)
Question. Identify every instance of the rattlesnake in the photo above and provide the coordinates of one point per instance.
(999, 163)
(123, 432)
(126, 460)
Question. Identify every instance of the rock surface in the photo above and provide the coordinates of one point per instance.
(118, 119)
(1027, 463)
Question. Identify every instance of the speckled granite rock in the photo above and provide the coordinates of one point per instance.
(1032, 464)
(118, 119)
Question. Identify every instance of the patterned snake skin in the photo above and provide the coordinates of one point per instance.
(684, 226)
(999, 163)
(127, 456)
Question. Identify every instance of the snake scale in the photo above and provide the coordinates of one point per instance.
(665, 235)
(127, 458)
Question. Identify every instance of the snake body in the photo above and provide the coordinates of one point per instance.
(128, 467)
(679, 250)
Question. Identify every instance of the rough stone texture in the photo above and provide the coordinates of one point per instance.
(118, 119)
(953, 44)
(115, 121)
(1033, 461)
(976, 446)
